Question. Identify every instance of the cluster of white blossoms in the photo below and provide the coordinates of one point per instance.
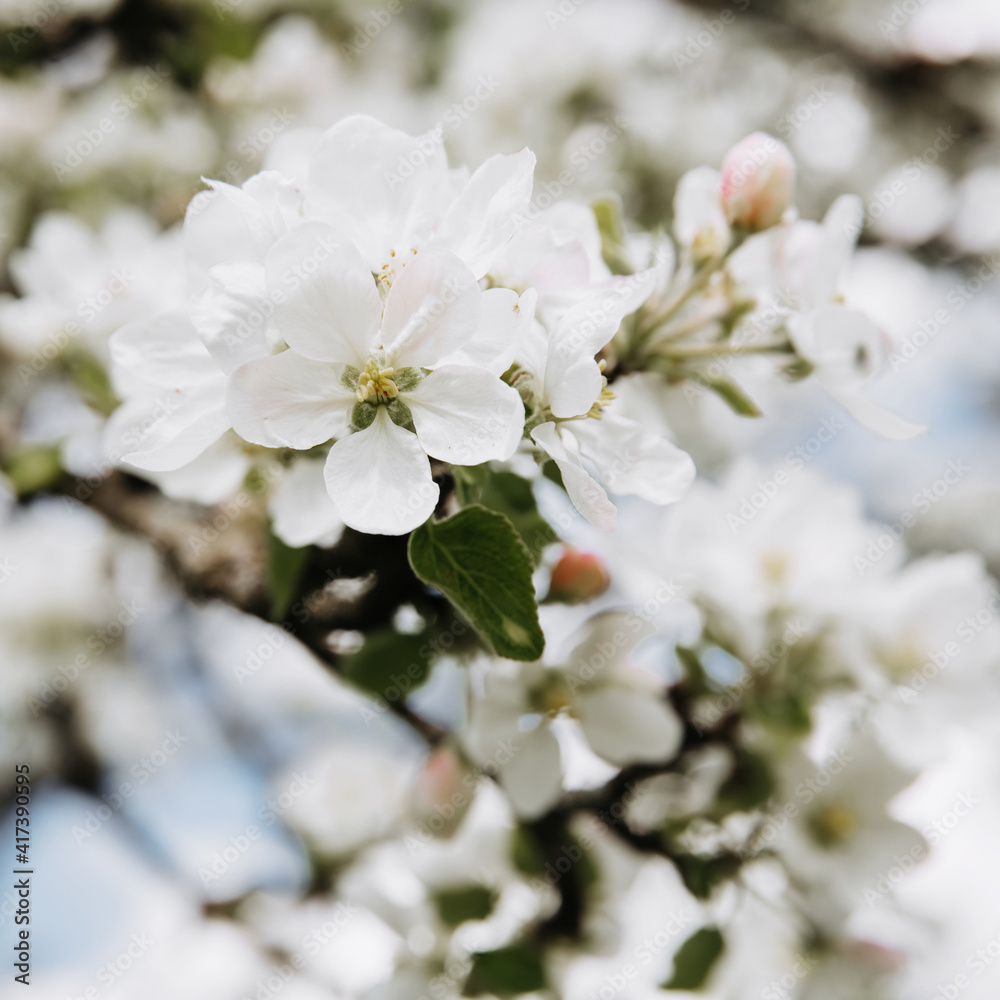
(379, 311)
(678, 747)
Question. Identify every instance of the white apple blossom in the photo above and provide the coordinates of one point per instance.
(615, 704)
(350, 365)
(841, 836)
(78, 286)
(845, 347)
(574, 419)
(392, 194)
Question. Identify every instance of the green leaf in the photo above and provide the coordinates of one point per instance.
(751, 783)
(695, 959)
(702, 875)
(284, 571)
(33, 468)
(506, 972)
(475, 902)
(511, 495)
(387, 660)
(732, 394)
(525, 852)
(478, 561)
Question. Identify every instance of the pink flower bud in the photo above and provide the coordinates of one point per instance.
(758, 181)
(578, 576)
(441, 795)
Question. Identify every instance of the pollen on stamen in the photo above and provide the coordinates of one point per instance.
(375, 385)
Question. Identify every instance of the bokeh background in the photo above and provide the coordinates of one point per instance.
(110, 113)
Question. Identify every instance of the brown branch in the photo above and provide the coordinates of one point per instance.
(215, 555)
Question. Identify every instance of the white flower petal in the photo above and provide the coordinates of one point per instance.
(504, 321)
(215, 475)
(229, 223)
(326, 304)
(232, 314)
(380, 479)
(432, 309)
(700, 223)
(842, 225)
(627, 726)
(876, 418)
(160, 432)
(466, 415)
(489, 209)
(377, 185)
(587, 494)
(532, 778)
(846, 347)
(493, 718)
(301, 510)
(287, 401)
(572, 376)
(634, 460)
(165, 351)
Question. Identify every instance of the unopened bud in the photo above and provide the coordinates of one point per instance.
(758, 181)
(578, 576)
(441, 795)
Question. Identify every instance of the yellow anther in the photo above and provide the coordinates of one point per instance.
(375, 384)
(606, 396)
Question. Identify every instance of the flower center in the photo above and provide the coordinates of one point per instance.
(833, 824)
(376, 385)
